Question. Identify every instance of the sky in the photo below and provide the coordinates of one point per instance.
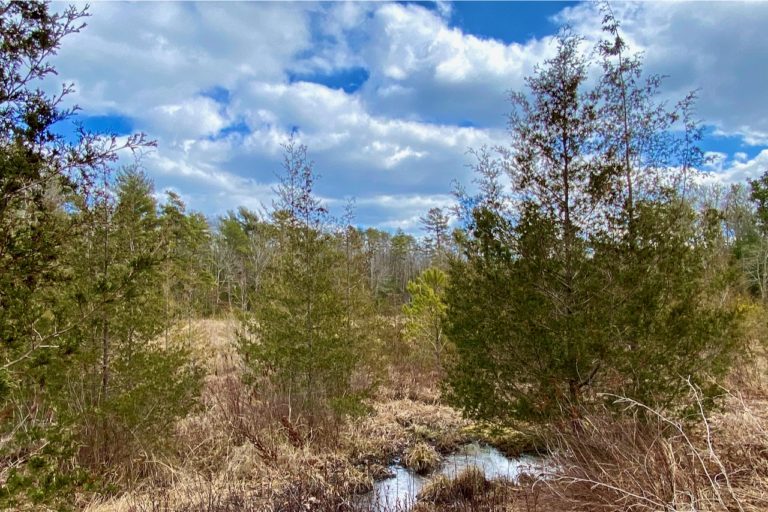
(388, 97)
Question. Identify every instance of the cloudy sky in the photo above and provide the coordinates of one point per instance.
(387, 96)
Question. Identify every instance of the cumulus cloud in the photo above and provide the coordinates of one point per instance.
(154, 63)
(717, 48)
(216, 84)
(354, 149)
(430, 71)
(190, 118)
(739, 169)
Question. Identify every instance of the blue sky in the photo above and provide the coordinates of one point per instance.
(387, 96)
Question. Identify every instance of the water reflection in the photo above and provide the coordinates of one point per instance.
(400, 490)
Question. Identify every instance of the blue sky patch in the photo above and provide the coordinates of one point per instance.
(349, 80)
(728, 144)
(240, 128)
(507, 21)
(430, 6)
(107, 124)
(218, 94)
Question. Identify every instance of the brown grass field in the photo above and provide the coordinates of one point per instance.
(236, 454)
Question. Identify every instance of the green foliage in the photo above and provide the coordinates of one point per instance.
(759, 196)
(589, 276)
(46, 300)
(306, 335)
(668, 306)
(243, 246)
(39, 171)
(125, 373)
(107, 394)
(425, 316)
(186, 278)
(150, 390)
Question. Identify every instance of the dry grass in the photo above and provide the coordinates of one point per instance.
(421, 458)
(408, 382)
(470, 491)
(643, 460)
(239, 452)
(466, 486)
(211, 343)
(396, 425)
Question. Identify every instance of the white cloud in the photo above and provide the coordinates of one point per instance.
(428, 70)
(716, 47)
(190, 118)
(740, 169)
(395, 143)
(151, 62)
(404, 211)
(137, 54)
(354, 148)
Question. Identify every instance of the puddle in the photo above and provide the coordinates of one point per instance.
(400, 490)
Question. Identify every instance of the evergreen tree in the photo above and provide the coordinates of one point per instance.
(593, 273)
(376, 244)
(108, 393)
(109, 398)
(435, 223)
(300, 319)
(544, 333)
(750, 224)
(246, 243)
(139, 244)
(663, 263)
(425, 316)
(39, 172)
(759, 196)
(403, 263)
(187, 280)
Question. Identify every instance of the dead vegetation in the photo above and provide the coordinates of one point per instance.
(421, 458)
(240, 452)
(644, 460)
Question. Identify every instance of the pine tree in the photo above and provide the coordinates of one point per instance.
(436, 241)
(425, 317)
(186, 281)
(138, 243)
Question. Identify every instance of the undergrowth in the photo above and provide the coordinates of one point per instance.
(242, 452)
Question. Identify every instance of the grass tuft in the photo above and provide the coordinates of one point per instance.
(467, 486)
(421, 458)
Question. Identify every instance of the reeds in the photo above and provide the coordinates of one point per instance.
(644, 460)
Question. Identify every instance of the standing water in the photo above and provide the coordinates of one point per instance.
(399, 491)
